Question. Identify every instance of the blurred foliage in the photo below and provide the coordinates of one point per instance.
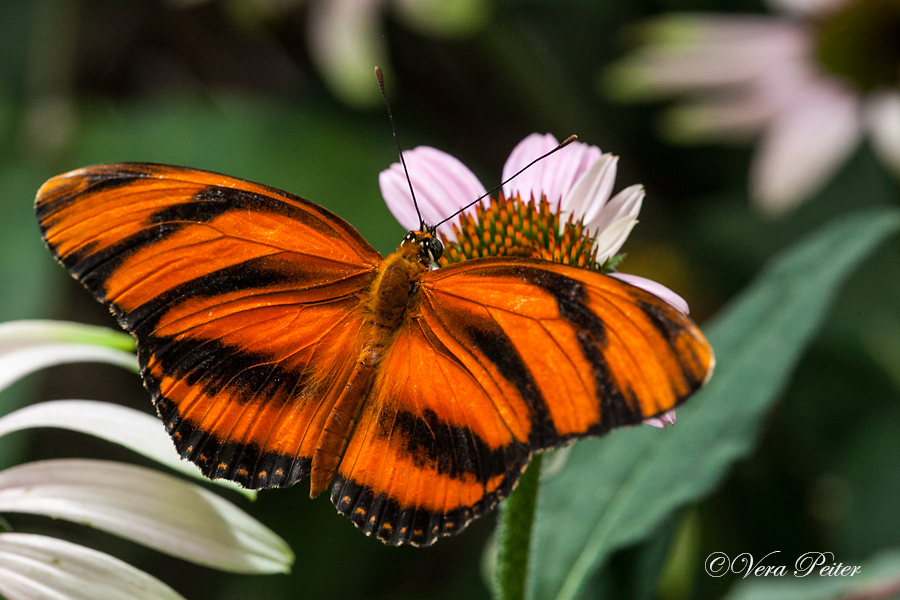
(88, 81)
(624, 485)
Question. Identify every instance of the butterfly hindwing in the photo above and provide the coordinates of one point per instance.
(435, 447)
(245, 302)
(519, 356)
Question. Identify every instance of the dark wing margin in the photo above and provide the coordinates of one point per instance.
(245, 302)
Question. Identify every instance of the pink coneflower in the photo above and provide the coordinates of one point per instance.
(809, 83)
(569, 192)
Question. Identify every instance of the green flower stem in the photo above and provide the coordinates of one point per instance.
(516, 519)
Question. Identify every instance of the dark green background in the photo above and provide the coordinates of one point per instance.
(199, 87)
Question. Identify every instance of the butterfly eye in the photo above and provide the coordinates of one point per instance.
(434, 248)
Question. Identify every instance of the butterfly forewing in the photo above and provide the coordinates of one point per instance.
(245, 301)
(586, 351)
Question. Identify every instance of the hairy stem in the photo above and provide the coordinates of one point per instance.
(516, 519)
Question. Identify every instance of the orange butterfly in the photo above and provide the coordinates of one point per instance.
(278, 344)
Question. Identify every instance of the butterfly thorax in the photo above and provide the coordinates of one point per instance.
(390, 297)
(391, 291)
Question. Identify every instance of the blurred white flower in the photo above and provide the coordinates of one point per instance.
(810, 84)
(347, 41)
(151, 508)
(346, 37)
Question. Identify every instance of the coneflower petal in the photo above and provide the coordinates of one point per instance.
(589, 195)
(36, 566)
(657, 289)
(441, 182)
(148, 507)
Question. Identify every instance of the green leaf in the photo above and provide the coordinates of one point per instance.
(614, 491)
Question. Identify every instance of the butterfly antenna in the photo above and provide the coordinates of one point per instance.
(387, 105)
(561, 145)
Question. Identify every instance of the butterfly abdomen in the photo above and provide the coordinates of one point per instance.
(389, 299)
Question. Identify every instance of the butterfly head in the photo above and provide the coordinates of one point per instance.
(425, 243)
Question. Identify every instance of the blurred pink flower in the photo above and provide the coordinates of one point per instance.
(799, 81)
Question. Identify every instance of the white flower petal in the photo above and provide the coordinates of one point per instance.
(395, 191)
(883, 121)
(553, 176)
(590, 192)
(135, 430)
(346, 44)
(127, 427)
(803, 147)
(18, 363)
(148, 507)
(625, 204)
(655, 288)
(20, 334)
(36, 567)
(613, 237)
(566, 167)
(441, 182)
(614, 223)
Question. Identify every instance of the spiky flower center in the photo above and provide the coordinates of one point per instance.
(860, 43)
(513, 227)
